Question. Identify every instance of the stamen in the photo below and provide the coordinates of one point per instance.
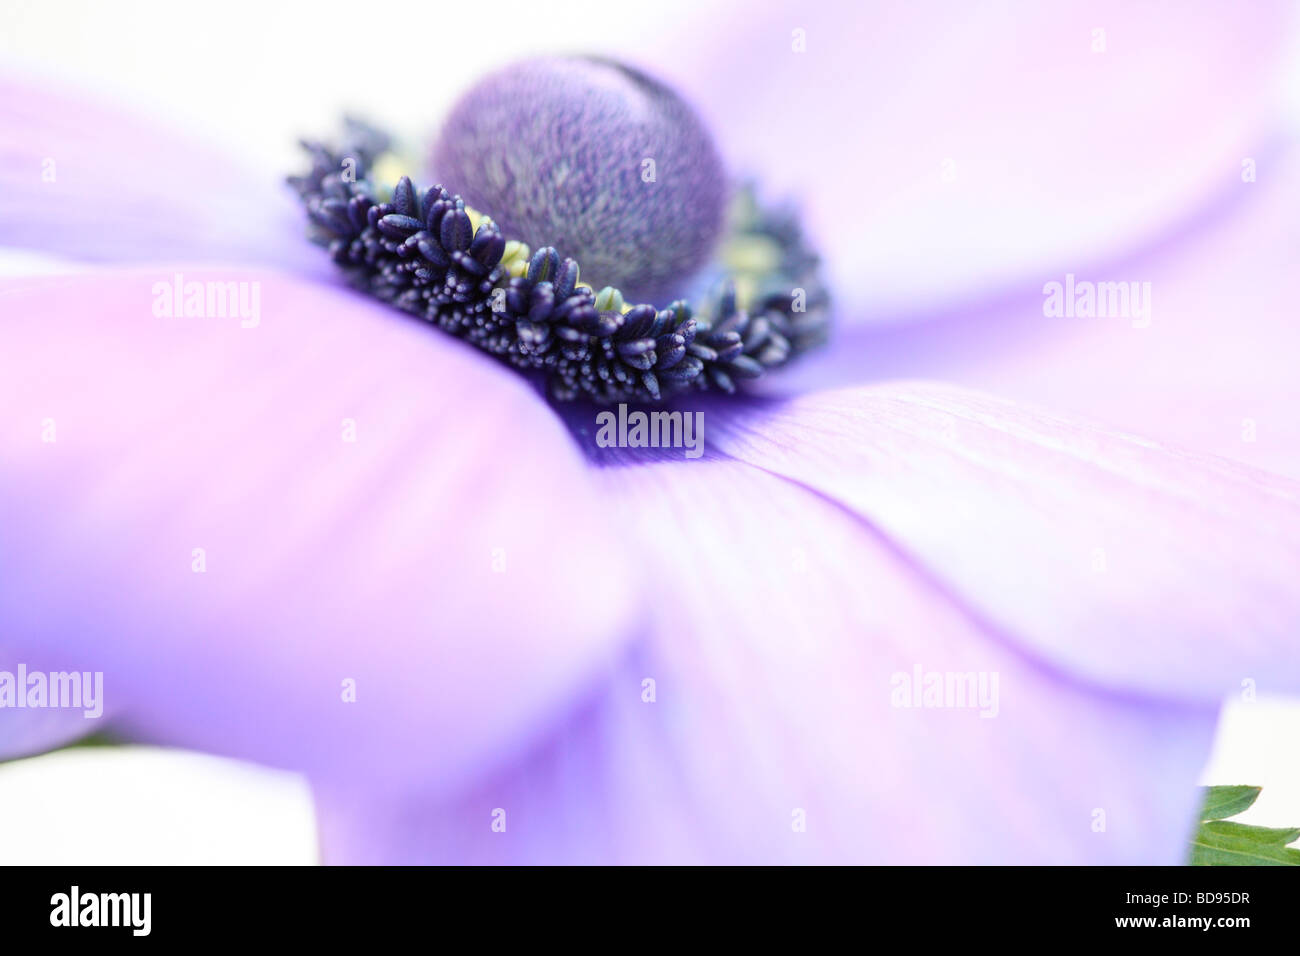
(427, 253)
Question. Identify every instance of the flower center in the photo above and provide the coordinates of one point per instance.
(429, 253)
(594, 158)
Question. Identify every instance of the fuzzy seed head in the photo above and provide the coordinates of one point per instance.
(597, 159)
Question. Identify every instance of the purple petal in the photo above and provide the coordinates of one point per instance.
(947, 150)
(28, 731)
(1211, 366)
(1118, 560)
(781, 622)
(451, 561)
(96, 183)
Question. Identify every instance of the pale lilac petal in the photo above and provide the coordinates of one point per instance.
(451, 560)
(1212, 366)
(94, 182)
(1119, 560)
(947, 150)
(779, 621)
(28, 731)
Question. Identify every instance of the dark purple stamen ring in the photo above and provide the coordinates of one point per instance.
(420, 252)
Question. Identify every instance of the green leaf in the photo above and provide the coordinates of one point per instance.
(1222, 843)
(1221, 802)
(101, 739)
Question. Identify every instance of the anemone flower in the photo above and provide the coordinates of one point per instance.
(326, 537)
